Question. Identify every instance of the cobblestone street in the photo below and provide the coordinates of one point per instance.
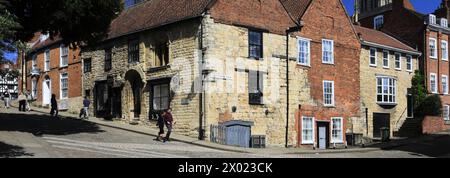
(36, 135)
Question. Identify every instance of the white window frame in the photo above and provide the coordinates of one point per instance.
(410, 62)
(61, 56)
(371, 56)
(388, 59)
(332, 51)
(444, 44)
(434, 89)
(444, 23)
(308, 58)
(399, 61)
(308, 142)
(61, 86)
(445, 115)
(332, 93)
(47, 56)
(444, 79)
(34, 91)
(435, 51)
(341, 140)
(376, 19)
(394, 94)
(432, 19)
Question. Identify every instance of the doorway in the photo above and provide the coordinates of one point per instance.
(381, 120)
(46, 92)
(323, 135)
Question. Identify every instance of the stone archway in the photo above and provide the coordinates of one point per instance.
(133, 91)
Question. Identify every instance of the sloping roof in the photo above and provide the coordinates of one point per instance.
(380, 38)
(154, 13)
(296, 8)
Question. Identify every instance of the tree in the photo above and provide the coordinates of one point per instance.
(418, 89)
(75, 21)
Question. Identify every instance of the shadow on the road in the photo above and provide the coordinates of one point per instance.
(428, 145)
(11, 151)
(39, 125)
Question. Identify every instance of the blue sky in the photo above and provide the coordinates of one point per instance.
(423, 6)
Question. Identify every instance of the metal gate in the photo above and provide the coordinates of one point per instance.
(234, 133)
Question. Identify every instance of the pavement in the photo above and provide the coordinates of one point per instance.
(189, 140)
(350, 152)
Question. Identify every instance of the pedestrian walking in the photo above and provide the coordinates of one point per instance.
(54, 106)
(160, 124)
(7, 99)
(22, 102)
(84, 111)
(169, 122)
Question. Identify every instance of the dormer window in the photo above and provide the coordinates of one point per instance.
(378, 22)
(444, 23)
(432, 19)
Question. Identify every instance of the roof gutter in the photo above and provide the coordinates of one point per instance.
(390, 48)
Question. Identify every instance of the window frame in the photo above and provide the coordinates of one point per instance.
(410, 62)
(87, 68)
(399, 61)
(446, 116)
(61, 86)
(152, 95)
(134, 51)
(444, 90)
(434, 89)
(383, 95)
(259, 85)
(308, 51)
(341, 140)
(312, 140)
(386, 59)
(108, 59)
(333, 101)
(442, 50)
(432, 19)
(61, 56)
(373, 56)
(47, 60)
(250, 44)
(435, 51)
(332, 51)
(376, 19)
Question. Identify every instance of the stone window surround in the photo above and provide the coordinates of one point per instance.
(261, 44)
(47, 55)
(66, 77)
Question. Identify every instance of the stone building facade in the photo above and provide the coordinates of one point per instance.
(387, 69)
(225, 61)
(426, 32)
(54, 68)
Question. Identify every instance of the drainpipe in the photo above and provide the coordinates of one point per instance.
(288, 32)
(202, 98)
(367, 122)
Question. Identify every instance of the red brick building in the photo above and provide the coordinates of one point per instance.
(333, 74)
(427, 33)
(54, 68)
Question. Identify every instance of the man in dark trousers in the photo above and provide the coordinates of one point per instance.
(160, 124)
(168, 119)
(54, 106)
